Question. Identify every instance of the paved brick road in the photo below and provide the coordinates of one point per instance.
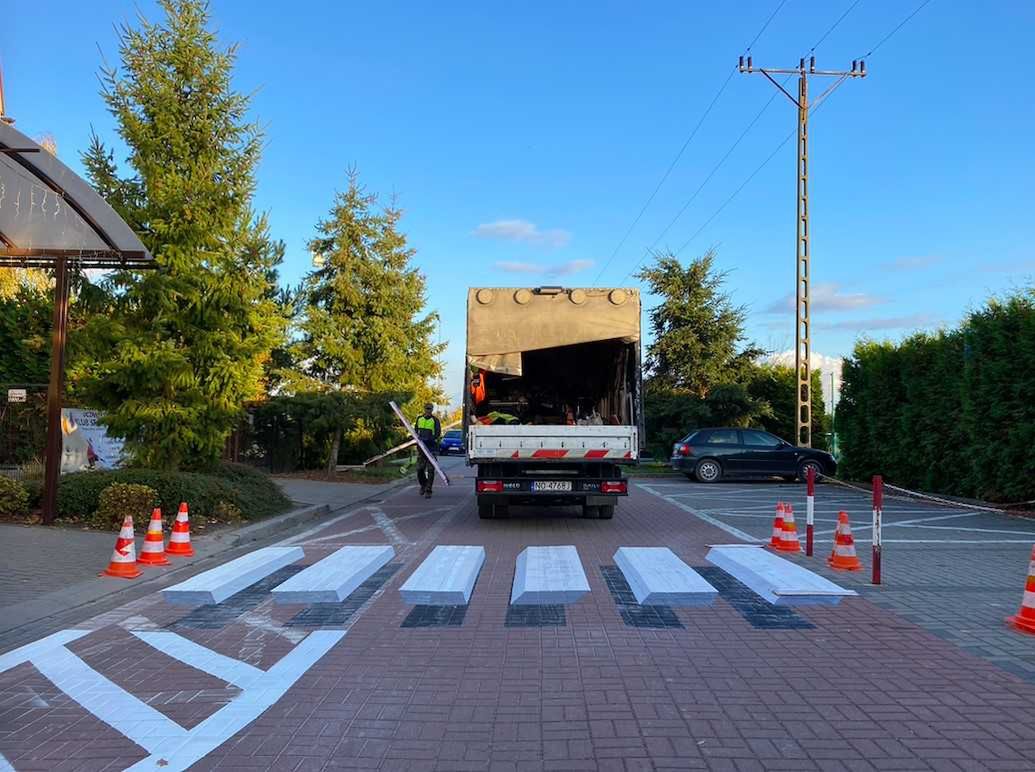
(594, 685)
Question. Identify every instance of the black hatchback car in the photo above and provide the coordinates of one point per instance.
(708, 455)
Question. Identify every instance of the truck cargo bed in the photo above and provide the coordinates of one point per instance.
(497, 443)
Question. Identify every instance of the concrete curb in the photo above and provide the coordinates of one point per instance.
(91, 596)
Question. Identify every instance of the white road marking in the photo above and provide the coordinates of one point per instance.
(446, 577)
(736, 532)
(367, 528)
(109, 702)
(199, 657)
(37, 648)
(219, 583)
(261, 619)
(947, 541)
(5, 765)
(335, 577)
(174, 756)
(385, 523)
(781, 582)
(551, 574)
(931, 519)
(972, 530)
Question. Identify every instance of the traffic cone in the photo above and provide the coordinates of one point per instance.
(777, 526)
(1024, 620)
(179, 536)
(152, 551)
(123, 563)
(843, 558)
(789, 537)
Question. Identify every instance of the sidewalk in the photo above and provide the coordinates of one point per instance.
(51, 572)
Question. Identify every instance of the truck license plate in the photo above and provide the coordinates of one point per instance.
(541, 486)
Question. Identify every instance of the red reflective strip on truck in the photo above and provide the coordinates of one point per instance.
(517, 454)
(629, 454)
(549, 453)
(596, 453)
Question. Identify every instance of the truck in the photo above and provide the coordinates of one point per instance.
(553, 403)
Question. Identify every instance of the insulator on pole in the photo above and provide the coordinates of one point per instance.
(801, 63)
(749, 64)
(862, 66)
(740, 66)
(812, 64)
(853, 65)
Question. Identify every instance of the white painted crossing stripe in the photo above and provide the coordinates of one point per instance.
(29, 651)
(445, 578)
(779, 581)
(334, 578)
(5, 765)
(218, 584)
(736, 532)
(178, 755)
(657, 577)
(546, 575)
(110, 703)
(202, 658)
(386, 525)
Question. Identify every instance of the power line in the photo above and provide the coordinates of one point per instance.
(901, 24)
(700, 187)
(668, 171)
(834, 26)
(814, 108)
(711, 174)
(685, 145)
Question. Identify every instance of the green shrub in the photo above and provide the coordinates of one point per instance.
(35, 490)
(121, 499)
(948, 412)
(227, 490)
(14, 499)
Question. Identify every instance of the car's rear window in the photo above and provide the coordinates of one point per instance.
(453, 435)
(716, 437)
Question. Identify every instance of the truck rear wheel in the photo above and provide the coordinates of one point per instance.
(485, 511)
(606, 511)
(590, 512)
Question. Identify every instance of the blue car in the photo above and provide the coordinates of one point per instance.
(452, 442)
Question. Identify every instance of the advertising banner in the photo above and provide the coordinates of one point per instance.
(86, 443)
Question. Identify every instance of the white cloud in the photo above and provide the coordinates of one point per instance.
(523, 230)
(911, 263)
(826, 297)
(556, 269)
(911, 321)
(827, 365)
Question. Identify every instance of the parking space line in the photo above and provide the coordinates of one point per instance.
(109, 702)
(735, 532)
(202, 658)
(976, 530)
(933, 519)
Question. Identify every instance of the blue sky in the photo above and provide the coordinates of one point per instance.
(523, 141)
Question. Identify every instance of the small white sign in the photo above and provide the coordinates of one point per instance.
(16, 395)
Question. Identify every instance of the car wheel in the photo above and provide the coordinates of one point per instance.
(803, 470)
(708, 471)
(607, 511)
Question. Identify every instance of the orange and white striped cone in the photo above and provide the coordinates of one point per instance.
(843, 558)
(1024, 620)
(777, 526)
(789, 538)
(152, 552)
(123, 563)
(179, 536)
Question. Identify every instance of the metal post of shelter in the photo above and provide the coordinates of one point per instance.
(55, 436)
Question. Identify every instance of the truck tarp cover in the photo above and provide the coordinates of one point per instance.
(502, 323)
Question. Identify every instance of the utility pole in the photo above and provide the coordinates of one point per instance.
(802, 278)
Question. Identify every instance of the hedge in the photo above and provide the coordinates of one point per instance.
(951, 412)
(230, 488)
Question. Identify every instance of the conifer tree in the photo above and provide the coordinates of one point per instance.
(364, 330)
(183, 347)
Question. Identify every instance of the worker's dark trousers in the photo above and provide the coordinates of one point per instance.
(425, 472)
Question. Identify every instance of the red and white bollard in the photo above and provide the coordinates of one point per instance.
(878, 511)
(810, 506)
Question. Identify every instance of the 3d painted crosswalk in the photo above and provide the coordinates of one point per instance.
(544, 575)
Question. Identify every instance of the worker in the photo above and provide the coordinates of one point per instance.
(429, 430)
